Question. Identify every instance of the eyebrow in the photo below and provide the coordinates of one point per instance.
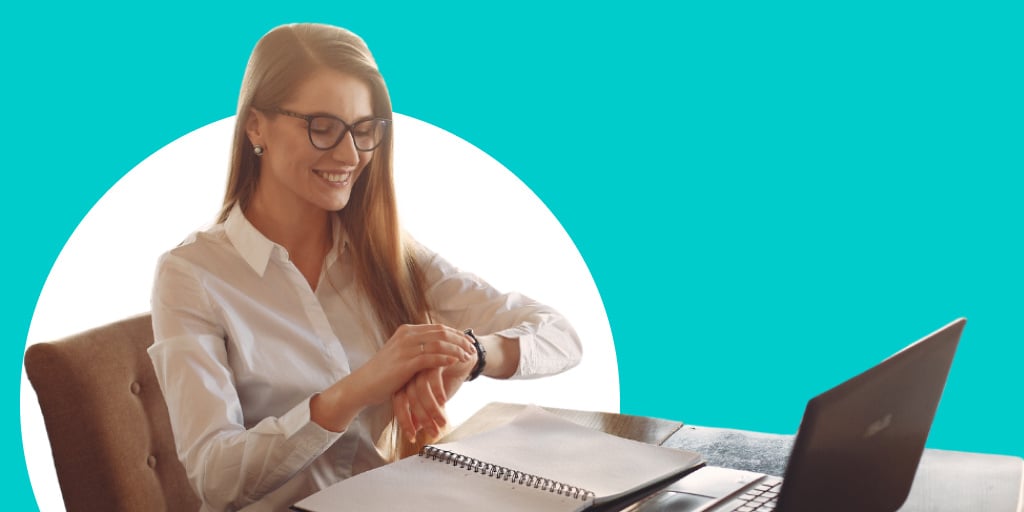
(328, 114)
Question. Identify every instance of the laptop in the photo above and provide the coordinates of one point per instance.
(857, 448)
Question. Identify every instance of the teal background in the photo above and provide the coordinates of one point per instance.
(771, 197)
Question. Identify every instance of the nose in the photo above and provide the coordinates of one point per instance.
(346, 151)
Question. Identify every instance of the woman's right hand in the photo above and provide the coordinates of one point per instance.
(411, 349)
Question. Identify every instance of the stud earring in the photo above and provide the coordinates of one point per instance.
(258, 150)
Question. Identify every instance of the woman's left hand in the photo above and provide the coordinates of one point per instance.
(420, 404)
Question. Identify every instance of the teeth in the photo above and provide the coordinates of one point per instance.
(340, 177)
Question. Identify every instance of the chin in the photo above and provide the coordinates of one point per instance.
(337, 205)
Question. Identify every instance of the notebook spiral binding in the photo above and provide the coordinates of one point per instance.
(504, 473)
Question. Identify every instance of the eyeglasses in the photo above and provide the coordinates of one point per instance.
(326, 132)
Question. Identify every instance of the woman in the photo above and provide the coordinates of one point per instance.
(299, 335)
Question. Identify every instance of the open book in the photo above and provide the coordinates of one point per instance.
(537, 462)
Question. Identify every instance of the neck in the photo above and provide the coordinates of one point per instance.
(303, 232)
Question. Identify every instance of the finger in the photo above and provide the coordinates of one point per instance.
(461, 339)
(442, 343)
(420, 415)
(400, 405)
(421, 335)
(437, 385)
(412, 334)
(426, 361)
(429, 402)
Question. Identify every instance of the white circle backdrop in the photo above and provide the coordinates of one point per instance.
(452, 197)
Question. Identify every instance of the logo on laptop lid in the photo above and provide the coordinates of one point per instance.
(878, 426)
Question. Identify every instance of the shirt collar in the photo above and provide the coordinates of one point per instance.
(250, 243)
(257, 249)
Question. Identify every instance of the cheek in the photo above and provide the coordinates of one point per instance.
(292, 149)
(364, 162)
(287, 162)
(295, 159)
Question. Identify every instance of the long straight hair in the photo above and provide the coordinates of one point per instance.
(385, 266)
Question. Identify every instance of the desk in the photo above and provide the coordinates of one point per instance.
(945, 481)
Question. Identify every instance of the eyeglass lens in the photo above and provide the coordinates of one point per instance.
(326, 132)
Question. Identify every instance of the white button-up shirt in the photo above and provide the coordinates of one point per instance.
(243, 342)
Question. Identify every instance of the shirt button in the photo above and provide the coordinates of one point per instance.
(151, 461)
(136, 387)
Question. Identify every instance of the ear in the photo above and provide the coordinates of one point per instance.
(254, 127)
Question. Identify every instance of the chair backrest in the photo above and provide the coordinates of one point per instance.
(107, 421)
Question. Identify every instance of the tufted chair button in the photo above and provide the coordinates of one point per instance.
(151, 461)
(136, 387)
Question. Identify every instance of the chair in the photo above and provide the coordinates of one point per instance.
(107, 421)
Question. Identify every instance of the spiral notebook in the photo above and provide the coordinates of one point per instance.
(537, 462)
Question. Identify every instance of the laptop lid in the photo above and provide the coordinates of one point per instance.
(859, 444)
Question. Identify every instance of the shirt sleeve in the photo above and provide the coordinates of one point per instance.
(548, 344)
(228, 465)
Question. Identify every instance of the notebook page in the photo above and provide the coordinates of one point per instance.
(541, 443)
(418, 483)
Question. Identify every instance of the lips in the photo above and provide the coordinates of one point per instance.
(335, 177)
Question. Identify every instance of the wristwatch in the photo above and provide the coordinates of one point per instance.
(481, 356)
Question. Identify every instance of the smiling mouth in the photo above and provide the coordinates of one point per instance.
(340, 178)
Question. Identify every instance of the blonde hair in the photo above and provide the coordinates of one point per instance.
(282, 59)
(385, 266)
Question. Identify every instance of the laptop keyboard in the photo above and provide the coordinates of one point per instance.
(760, 498)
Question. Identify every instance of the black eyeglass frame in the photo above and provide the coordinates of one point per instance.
(308, 118)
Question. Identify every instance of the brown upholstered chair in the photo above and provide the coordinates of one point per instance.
(107, 421)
